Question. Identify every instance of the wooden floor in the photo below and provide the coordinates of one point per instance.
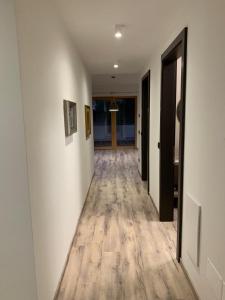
(121, 250)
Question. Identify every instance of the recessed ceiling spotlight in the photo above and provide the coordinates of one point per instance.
(113, 77)
(119, 31)
(118, 35)
(116, 66)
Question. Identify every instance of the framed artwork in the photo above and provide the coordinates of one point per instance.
(70, 117)
(87, 120)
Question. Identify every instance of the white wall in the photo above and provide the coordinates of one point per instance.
(60, 170)
(17, 276)
(178, 97)
(205, 140)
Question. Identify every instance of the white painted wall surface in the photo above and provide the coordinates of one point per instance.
(17, 275)
(204, 171)
(60, 170)
(178, 97)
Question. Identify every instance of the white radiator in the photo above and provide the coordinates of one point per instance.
(194, 220)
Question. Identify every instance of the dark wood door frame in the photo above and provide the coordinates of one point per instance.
(177, 49)
(145, 127)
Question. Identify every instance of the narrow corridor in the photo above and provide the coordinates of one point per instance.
(121, 250)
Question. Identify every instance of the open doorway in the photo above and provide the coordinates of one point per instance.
(145, 125)
(114, 120)
(172, 129)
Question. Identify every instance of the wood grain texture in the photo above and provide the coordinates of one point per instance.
(121, 250)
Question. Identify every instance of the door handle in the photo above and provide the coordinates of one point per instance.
(159, 145)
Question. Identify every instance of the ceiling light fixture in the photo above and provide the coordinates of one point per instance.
(118, 35)
(119, 31)
(116, 66)
(113, 107)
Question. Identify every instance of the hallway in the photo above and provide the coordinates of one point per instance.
(120, 250)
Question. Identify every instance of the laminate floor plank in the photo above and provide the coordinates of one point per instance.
(121, 251)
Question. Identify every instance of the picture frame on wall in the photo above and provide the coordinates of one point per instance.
(87, 120)
(70, 117)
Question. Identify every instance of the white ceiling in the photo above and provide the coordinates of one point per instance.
(119, 84)
(92, 24)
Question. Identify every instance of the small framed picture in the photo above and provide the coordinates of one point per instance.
(87, 121)
(70, 117)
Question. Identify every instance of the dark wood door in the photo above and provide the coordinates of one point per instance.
(167, 140)
(145, 134)
(178, 48)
